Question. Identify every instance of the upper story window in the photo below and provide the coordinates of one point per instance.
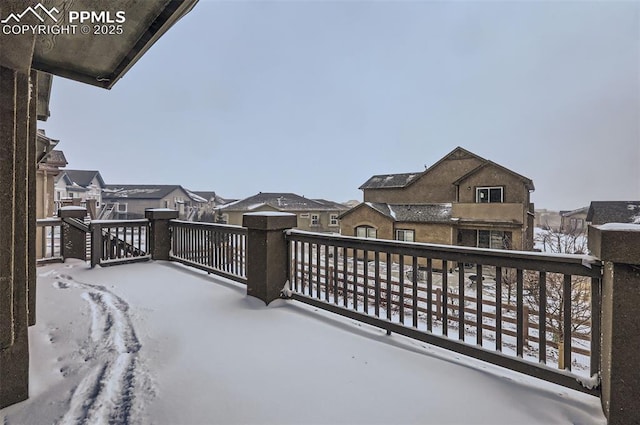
(333, 219)
(366, 232)
(405, 235)
(489, 194)
(315, 220)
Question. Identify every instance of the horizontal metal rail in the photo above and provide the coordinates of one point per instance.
(530, 312)
(215, 248)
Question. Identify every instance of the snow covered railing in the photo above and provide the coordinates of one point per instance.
(49, 240)
(215, 248)
(487, 304)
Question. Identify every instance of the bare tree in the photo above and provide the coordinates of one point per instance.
(573, 242)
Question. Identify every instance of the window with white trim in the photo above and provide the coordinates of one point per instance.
(405, 235)
(366, 232)
(489, 194)
(315, 220)
(122, 207)
(333, 219)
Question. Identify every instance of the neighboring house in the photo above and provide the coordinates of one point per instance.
(79, 184)
(602, 212)
(318, 215)
(127, 201)
(213, 200)
(574, 221)
(462, 199)
(546, 219)
(47, 170)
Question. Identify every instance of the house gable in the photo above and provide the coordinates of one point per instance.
(515, 187)
(434, 185)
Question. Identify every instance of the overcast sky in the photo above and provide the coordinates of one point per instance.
(315, 97)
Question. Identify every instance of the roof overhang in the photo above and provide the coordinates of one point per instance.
(82, 52)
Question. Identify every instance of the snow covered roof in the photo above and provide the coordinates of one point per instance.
(601, 212)
(386, 181)
(83, 177)
(139, 191)
(283, 202)
(415, 213)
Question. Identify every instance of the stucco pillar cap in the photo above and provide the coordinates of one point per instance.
(160, 214)
(268, 220)
(72, 212)
(616, 242)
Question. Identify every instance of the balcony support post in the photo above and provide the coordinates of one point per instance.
(73, 241)
(15, 268)
(160, 232)
(267, 253)
(618, 246)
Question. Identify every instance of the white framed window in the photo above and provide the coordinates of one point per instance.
(305, 215)
(333, 219)
(315, 220)
(489, 194)
(122, 207)
(494, 239)
(405, 235)
(366, 232)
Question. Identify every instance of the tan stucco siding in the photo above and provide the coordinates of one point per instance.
(436, 186)
(365, 216)
(514, 190)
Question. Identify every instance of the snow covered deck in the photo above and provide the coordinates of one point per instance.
(161, 343)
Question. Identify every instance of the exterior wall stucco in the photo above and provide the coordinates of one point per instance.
(434, 187)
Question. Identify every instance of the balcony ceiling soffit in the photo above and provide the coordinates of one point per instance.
(100, 60)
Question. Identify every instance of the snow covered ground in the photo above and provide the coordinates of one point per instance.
(161, 343)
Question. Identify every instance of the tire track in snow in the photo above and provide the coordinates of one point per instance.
(107, 393)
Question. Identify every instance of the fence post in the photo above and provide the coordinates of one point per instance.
(267, 254)
(73, 240)
(160, 235)
(618, 246)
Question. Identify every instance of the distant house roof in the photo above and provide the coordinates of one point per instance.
(283, 202)
(601, 212)
(583, 210)
(139, 191)
(56, 158)
(83, 178)
(387, 181)
(414, 213)
(212, 196)
(394, 181)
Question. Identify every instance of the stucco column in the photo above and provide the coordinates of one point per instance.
(267, 254)
(74, 240)
(160, 237)
(14, 131)
(31, 198)
(618, 246)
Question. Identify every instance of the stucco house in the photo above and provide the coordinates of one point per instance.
(574, 221)
(463, 199)
(81, 185)
(318, 215)
(127, 201)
